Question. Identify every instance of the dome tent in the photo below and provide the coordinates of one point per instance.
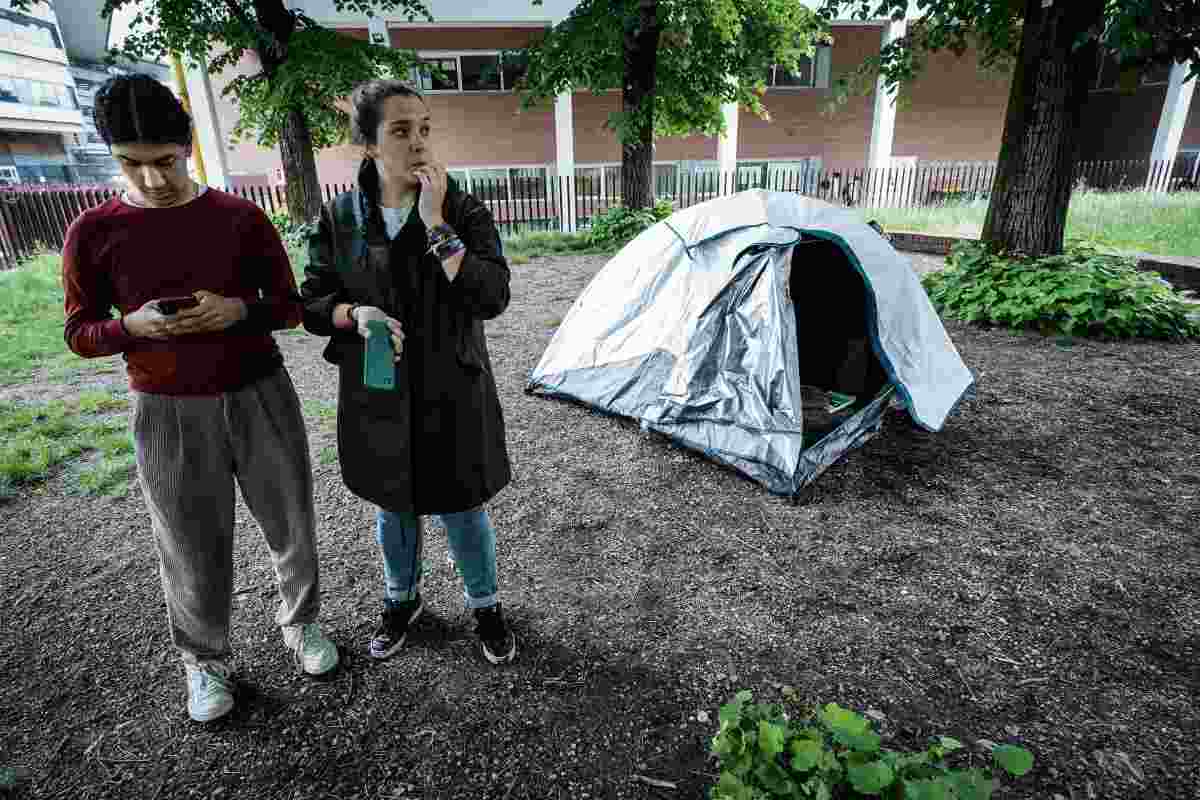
(718, 327)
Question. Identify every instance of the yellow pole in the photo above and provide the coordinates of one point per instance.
(181, 83)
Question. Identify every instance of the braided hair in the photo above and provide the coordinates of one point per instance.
(137, 108)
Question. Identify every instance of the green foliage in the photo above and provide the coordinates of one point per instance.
(616, 226)
(1080, 293)
(710, 52)
(1139, 31)
(295, 235)
(35, 439)
(31, 318)
(303, 66)
(835, 753)
(537, 244)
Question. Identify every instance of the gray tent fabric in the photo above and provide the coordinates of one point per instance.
(691, 330)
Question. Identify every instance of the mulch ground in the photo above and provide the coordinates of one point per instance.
(1030, 575)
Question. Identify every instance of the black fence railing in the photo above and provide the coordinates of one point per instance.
(34, 218)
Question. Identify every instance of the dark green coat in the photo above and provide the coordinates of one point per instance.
(436, 444)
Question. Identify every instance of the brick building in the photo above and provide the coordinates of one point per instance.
(955, 114)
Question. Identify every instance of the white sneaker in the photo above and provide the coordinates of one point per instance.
(314, 653)
(210, 690)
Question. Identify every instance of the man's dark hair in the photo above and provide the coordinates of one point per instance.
(139, 109)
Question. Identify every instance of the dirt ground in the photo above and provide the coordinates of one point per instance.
(1028, 575)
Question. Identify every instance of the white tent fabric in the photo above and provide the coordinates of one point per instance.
(691, 330)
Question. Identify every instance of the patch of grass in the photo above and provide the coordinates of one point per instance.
(31, 318)
(539, 244)
(327, 456)
(35, 439)
(1132, 221)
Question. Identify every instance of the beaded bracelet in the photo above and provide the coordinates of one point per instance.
(449, 249)
(440, 233)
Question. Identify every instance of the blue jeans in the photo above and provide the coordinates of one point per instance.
(472, 543)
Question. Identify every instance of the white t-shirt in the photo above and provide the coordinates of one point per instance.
(394, 219)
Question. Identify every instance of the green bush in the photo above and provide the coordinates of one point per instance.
(836, 755)
(1082, 292)
(294, 235)
(616, 226)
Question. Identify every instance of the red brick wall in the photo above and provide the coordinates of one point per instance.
(433, 38)
(955, 111)
(797, 127)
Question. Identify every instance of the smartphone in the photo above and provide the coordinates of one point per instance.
(172, 305)
(379, 366)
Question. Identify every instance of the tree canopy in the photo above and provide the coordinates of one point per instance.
(710, 52)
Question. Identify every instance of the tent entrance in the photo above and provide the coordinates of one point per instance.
(833, 335)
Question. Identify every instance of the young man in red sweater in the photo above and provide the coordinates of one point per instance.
(199, 279)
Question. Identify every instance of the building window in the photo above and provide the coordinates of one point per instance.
(17, 27)
(469, 72)
(813, 73)
(480, 73)
(438, 74)
(36, 93)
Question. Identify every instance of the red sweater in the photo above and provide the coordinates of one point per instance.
(120, 256)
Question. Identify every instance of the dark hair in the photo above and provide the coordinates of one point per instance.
(365, 113)
(138, 108)
(367, 106)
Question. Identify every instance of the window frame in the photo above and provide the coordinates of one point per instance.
(457, 57)
(821, 64)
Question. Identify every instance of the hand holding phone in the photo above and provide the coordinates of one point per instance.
(173, 305)
(379, 364)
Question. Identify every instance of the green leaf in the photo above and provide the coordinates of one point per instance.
(950, 744)
(870, 778)
(771, 738)
(926, 789)
(806, 754)
(730, 787)
(1016, 761)
(971, 784)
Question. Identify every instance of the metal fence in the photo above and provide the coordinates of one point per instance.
(37, 218)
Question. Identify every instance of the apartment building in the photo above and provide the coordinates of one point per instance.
(39, 111)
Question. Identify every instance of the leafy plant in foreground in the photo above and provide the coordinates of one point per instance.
(1082, 292)
(617, 225)
(836, 755)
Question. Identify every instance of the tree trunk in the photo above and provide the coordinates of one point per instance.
(1028, 209)
(299, 168)
(295, 141)
(637, 102)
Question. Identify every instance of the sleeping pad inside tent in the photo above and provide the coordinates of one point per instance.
(766, 330)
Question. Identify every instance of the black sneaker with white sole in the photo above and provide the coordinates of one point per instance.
(496, 639)
(393, 627)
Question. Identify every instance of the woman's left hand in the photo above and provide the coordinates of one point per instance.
(433, 193)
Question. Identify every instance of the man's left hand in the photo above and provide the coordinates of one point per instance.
(214, 313)
(433, 193)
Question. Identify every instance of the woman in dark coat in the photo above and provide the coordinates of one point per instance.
(410, 249)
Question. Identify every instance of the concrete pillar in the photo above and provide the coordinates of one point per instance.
(1170, 127)
(564, 147)
(377, 29)
(208, 125)
(883, 119)
(727, 146)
